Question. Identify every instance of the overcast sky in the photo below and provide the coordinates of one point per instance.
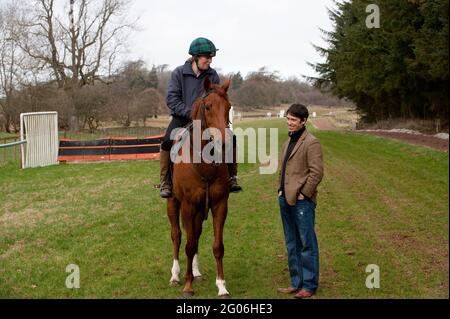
(249, 34)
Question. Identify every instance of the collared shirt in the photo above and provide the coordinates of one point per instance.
(185, 87)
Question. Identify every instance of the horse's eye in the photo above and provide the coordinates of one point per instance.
(208, 107)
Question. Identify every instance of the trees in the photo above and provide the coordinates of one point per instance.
(236, 81)
(133, 95)
(264, 88)
(64, 55)
(12, 62)
(397, 70)
(153, 80)
(149, 103)
(77, 45)
(258, 89)
(432, 60)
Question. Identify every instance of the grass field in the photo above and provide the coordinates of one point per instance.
(381, 202)
(9, 154)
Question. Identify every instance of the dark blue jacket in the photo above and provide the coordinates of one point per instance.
(185, 87)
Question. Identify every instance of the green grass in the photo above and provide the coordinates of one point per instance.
(8, 135)
(9, 154)
(381, 202)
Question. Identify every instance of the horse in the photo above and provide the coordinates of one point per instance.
(198, 187)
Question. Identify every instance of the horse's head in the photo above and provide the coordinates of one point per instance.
(213, 108)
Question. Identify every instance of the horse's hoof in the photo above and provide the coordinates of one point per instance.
(225, 296)
(174, 283)
(198, 278)
(188, 294)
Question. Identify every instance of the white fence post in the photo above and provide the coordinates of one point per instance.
(40, 130)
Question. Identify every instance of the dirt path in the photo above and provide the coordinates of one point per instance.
(324, 124)
(417, 139)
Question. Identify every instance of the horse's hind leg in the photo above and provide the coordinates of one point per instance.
(173, 212)
(219, 216)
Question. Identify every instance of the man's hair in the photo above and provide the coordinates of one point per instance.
(298, 110)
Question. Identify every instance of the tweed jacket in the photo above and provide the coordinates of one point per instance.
(304, 168)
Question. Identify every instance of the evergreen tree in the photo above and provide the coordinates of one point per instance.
(153, 81)
(397, 70)
(236, 81)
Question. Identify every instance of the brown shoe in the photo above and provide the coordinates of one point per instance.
(289, 290)
(303, 294)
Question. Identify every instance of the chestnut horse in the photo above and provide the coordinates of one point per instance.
(198, 187)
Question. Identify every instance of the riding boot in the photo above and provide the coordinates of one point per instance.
(232, 171)
(234, 186)
(165, 175)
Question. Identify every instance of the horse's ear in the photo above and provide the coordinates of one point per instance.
(226, 84)
(207, 84)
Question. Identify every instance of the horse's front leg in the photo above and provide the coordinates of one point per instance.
(173, 212)
(192, 222)
(220, 210)
(195, 267)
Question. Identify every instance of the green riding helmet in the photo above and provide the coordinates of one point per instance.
(202, 46)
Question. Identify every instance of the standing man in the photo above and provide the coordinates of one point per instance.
(301, 173)
(185, 86)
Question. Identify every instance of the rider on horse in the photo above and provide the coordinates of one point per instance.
(185, 86)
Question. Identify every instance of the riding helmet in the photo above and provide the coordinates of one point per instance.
(202, 46)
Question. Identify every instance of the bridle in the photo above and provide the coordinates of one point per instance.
(203, 107)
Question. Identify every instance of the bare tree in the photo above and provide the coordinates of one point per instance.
(258, 90)
(11, 66)
(78, 43)
(163, 80)
(80, 47)
(149, 103)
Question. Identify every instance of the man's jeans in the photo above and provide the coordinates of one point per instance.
(301, 243)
